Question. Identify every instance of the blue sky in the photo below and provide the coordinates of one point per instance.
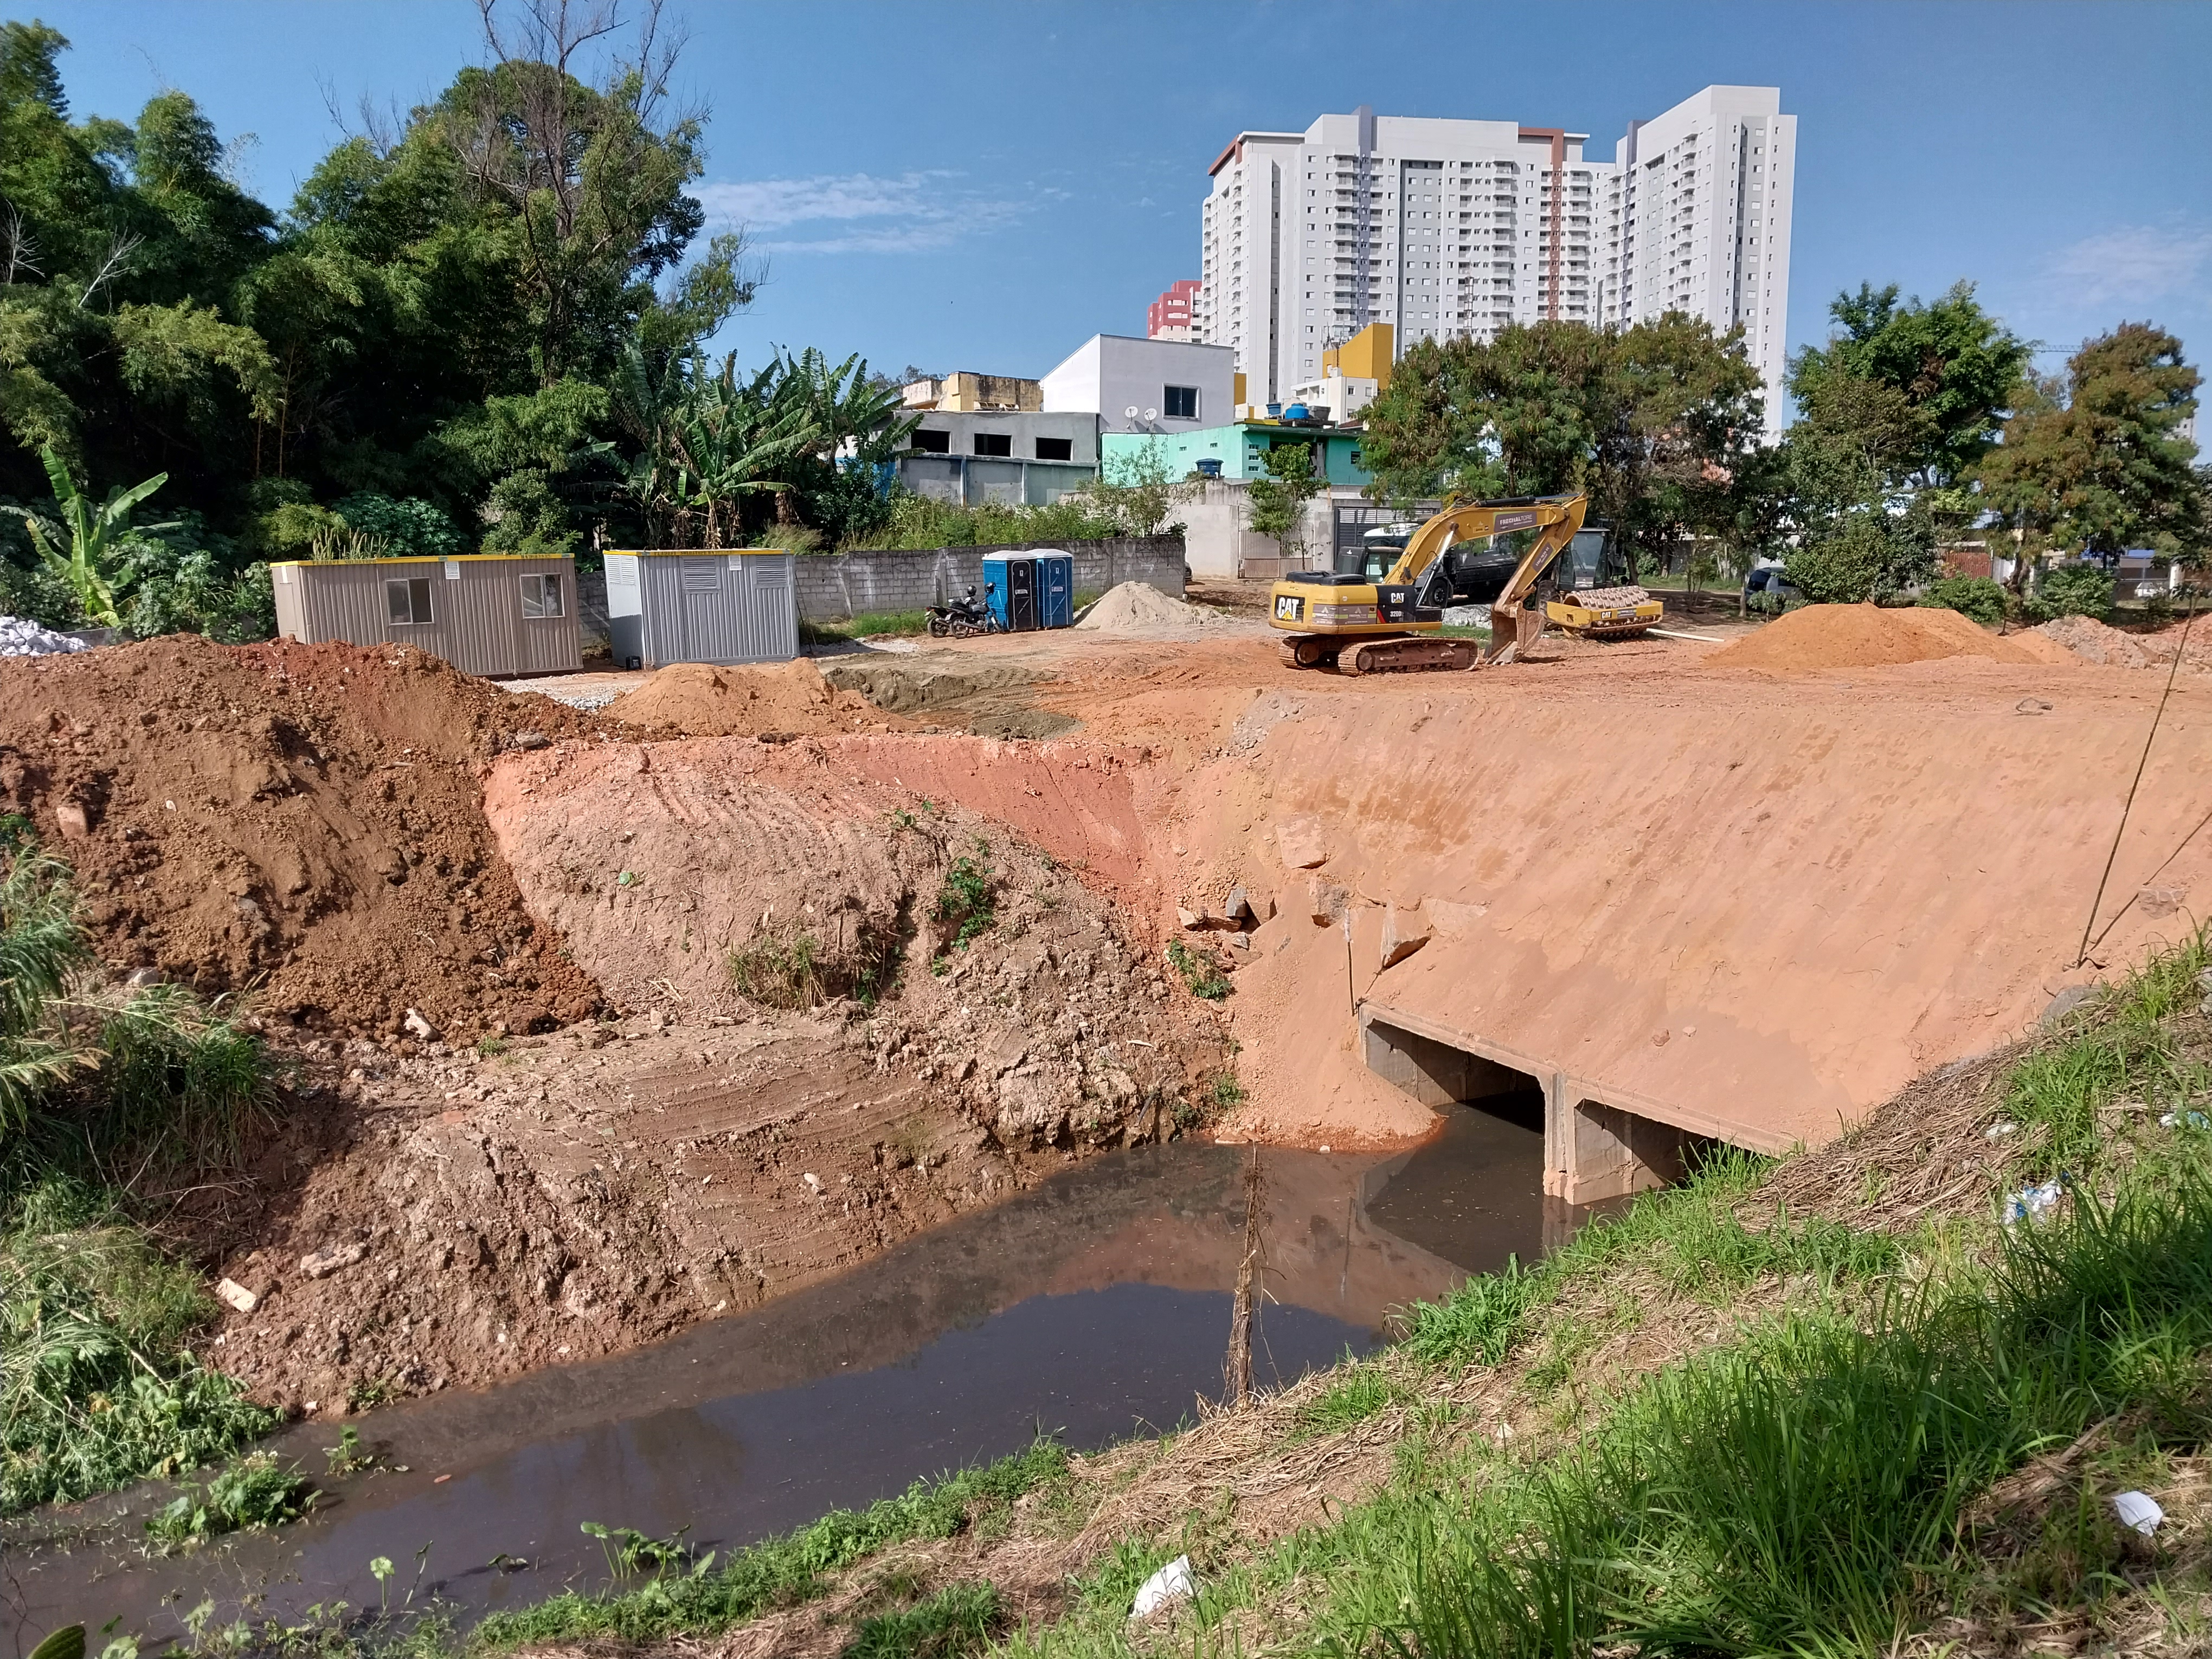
(982, 184)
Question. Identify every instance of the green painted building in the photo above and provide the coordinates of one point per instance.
(1242, 450)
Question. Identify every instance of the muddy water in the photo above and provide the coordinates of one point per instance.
(1095, 1306)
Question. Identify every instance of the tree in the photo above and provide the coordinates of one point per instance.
(1138, 488)
(1957, 368)
(93, 535)
(1658, 423)
(2098, 462)
(1279, 500)
(1858, 532)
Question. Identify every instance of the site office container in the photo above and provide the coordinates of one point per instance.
(500, 615)
(1030, 590)
(688, 606)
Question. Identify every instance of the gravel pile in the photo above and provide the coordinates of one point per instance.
(22, 638)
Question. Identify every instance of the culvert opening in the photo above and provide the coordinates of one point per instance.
(1592, 1151)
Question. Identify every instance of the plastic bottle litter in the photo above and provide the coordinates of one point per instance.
(2139, 1510)
(2176, 1119)
(2032, 1202)
(1172, 1583)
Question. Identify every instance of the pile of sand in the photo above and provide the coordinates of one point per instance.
(1869, 636)
(1140, 608)
(2093, 641)
(305, 820)
(784, 698)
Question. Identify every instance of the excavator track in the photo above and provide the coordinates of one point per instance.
(1311, 650)
(1417, 654)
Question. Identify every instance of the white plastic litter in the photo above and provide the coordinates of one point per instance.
(2032, 1202)
(1999, 1130)
(2176, 1119)
(21, 638)
(2139, 1510)
(1172, 1583)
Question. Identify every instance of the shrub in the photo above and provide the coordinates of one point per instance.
(2077, 590)
(1200, 971)
(412, 528)
(1977, 596)
(256, 1492)
(965, 902)
(1869, 555)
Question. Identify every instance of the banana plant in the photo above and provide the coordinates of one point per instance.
(93, 535)
(731, 440)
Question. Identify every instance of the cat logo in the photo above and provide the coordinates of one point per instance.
(1289, 607)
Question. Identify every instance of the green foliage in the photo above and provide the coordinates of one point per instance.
(1200, 973)
(2077, 590)
(959, 1620)
(96, 1390)
(412, 528)
(1956, 369)
(2099, 461)
(255, 1492)
(91, 536)
(1137, 492)
(1864, 554)
(2120, 1045)
(1362, 1391)
(1792, 1491)
(778, 970)
(1278, 501)
(966, 899)
(630, 1552)
(780, 1571)
(869, 624)
(1660, 424)
(920, 522)
(1977, 596)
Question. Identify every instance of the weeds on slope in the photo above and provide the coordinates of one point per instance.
(97, 1388)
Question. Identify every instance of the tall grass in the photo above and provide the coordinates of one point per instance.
(1793, 1490)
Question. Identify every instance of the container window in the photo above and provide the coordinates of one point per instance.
(407, 603)
(541, 596)
(994, 443)
(703, 575)
(1055, 449)
(932, 443)
(1179, 403)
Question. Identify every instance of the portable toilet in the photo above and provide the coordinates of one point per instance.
(1030, 590)
(720, 608)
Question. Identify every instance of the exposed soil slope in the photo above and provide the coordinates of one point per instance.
(1871, 636)
(303, 820)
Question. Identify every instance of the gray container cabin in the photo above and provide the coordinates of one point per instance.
(499, 614)
(722, 608)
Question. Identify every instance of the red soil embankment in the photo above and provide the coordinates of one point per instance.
(302, 820)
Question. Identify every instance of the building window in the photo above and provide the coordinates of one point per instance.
(541, 596)
(1055, 449)
(1180, 402)
(407, 603)
(994, 443)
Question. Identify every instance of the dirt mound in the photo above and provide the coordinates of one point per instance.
(704, 702)
(306, 821)
(1140, 608)
(2110, 647)
(1870, 636)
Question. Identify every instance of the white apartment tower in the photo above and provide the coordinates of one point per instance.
(1454, 228)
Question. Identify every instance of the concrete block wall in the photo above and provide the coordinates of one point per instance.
(846, 585)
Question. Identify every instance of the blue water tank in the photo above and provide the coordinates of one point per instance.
(1296, 412)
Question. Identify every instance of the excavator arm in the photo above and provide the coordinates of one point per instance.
(1555, 518)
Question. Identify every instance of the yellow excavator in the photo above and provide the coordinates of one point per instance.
(1395, 624)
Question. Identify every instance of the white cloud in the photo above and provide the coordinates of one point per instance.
(2134, 265)
(858, 212)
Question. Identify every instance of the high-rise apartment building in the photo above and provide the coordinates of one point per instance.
(1168, 317)
(1456, 228)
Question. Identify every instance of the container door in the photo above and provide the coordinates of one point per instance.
(1021, 595)
(771, 632)
(1057, 602)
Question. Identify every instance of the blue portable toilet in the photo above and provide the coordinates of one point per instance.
(1031, 590)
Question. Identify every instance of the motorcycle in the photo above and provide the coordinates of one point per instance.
(964, 618)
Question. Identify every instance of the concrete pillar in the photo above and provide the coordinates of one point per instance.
(1594, 1152)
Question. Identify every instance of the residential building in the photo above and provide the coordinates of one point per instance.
(1449, 228)
(966, 392)
(1145, 386)
(1241, 450)
(1168, 317)
(1019, 457)
(1353, 375)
